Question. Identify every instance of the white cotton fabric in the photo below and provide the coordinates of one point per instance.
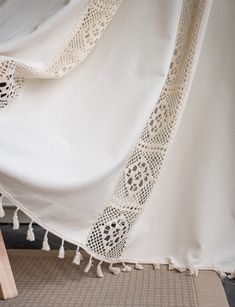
(190, 217)
(63, 147)
(64, 142)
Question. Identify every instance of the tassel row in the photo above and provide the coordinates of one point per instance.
(2, 212)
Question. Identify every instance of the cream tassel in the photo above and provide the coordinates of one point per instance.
(61, 250)
(99, 272)
(114, 270)
(126, 268)
(193, 272)
(156, 266)
(138, 266)
(16, 224)
(231, 275)
(221, 274)
(2, 212)
(171, 267)
(174, 267)
(45, 245)
(78, 257)
(30, 233)
(89, 265)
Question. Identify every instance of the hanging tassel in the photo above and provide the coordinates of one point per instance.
(221, 274)
(89, 265)
(16, 224)
(2, 212)
(114, 270)
(125, 268)
(30, 233)
(45, 245)
(138, 266)
(78, 257)
(99, 272)
(61, 250)
(156, 266)
(178, 269)
(231, 275)
(193, 272)
(171, 267)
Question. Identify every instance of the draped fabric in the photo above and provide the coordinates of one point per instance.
(116, 128)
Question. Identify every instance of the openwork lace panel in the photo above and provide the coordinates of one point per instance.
(87, 32)
(108, 236)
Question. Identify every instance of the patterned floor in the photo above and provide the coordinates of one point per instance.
(44, 280)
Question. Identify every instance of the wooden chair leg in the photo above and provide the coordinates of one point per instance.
(7, 283)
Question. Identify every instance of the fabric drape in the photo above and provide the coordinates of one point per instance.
(95, 144)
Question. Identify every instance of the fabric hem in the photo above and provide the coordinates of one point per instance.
(173, 265)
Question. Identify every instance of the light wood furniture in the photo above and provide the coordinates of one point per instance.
(7, 282)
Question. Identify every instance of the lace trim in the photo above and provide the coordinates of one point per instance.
(108, 236)
(89, 29)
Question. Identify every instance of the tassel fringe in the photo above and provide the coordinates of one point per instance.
(78, 257)
(231, 275)
(114, 270)
(221, 274)
(45, 245)
(88, 266)
(193, 272)
(99, 272)
(16, 223)
(138, 266)
(61, 250)
(171, 267)
(2, 212)
(156, 266)
(125, 268)
(30, 233)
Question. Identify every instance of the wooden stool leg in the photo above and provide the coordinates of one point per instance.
(7, 282)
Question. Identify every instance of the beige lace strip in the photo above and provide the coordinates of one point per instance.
(108, 236)
(87, 32)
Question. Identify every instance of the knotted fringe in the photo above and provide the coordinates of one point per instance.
(231, 275)
(99, 272)
(156, 266)
(89, 265)
(78, 257)
(2, 212)
(193, 272)
(114, 270)
(61, 250)
(125, 268)
(45, 245)
(138, 266)
(221, 274)
(171, 267)
(16, 223)
(30, 233)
